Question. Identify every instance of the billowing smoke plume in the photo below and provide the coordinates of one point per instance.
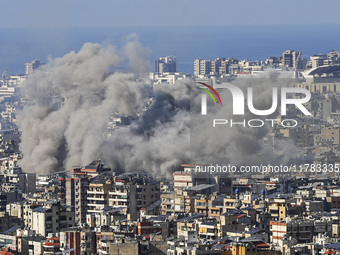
(71, 100)
(235, 144)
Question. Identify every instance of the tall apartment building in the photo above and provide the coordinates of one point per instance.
(184, 179)
(218, 66)
(134, 196)
(77, 187)
(79, 241)
(32, 66)
(166, 65)
(48, 217)
(202, 67)
(120, 196)
(61, 190)
(212, 206)
(97, 192)
(183, 198)
(24, 181)
(76, 195)
(181, 201)
(289, 58)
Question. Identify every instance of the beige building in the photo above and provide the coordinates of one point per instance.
(318, 60)
(209, 206)
(133, 196)
(328, 135)
(181, 201)
(202, 67)
(184, 179)
(50, 217)
(301, 136)
(97, 193)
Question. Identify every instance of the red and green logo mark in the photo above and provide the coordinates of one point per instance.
(209, 93)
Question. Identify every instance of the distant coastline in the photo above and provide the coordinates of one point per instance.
(253, 42)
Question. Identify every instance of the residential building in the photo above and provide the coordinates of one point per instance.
(76, 196)
(32, 66)
(166, 65)
(202, 67)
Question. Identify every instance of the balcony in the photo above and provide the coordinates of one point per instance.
(95, 192)
(96, 198)
(115, 201)
(118, 192)
(96, 205)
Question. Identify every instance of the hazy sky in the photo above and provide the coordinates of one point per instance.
(61, 13)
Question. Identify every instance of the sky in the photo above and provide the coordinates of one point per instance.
(39, 29)
(88, 13)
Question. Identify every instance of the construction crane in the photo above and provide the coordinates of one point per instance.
(296, 73)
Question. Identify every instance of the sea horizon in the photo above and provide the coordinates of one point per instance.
(186, 43)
